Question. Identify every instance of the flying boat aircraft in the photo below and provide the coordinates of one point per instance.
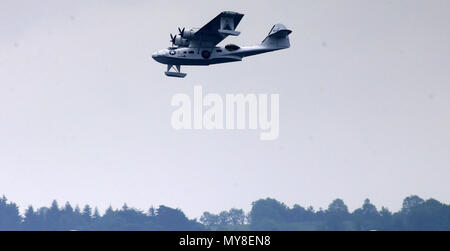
(199, 46)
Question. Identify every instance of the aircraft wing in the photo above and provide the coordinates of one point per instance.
(217, 30)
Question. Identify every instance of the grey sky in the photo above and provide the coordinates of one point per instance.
(85, 112)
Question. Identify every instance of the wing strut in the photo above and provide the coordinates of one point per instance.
(176, 73)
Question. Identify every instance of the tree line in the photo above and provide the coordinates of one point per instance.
(265, 214)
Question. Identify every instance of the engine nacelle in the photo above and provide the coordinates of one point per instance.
(181, 42)
(188, 34)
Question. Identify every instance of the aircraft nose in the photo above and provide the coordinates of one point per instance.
(159, 57)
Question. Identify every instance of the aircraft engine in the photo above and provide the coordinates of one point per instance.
(181, 41)
(186, 34)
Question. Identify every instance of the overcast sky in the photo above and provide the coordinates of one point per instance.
(85, 112)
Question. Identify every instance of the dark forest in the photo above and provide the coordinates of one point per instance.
(265, 214)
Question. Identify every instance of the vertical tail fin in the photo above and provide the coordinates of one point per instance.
(278, 38)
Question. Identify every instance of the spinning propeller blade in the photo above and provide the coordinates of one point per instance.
(172, 39)
(181, 31)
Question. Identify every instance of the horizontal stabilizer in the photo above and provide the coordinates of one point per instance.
(279, 31)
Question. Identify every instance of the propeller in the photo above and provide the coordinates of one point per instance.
(181, 31)
(172, 39)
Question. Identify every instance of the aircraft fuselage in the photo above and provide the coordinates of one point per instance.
(206, 56)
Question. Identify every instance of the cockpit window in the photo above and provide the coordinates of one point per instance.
(172, 52)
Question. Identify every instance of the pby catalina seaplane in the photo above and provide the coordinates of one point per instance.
(199, 46)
